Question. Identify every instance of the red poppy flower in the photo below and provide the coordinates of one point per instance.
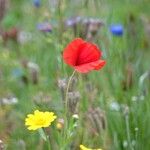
(83, 56)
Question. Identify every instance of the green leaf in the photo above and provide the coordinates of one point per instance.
(42, 134)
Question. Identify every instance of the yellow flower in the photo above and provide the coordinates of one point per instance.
(59, 126)
(82, 147)
(39, 119)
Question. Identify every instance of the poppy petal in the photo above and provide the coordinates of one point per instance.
(100, 65)
(96, 65)
(88, 52)
(70, 53)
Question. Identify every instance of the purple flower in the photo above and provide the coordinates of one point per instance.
(44, 27)
(37, 3)
(117, 29)
(72, 21)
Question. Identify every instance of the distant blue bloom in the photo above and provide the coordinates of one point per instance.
(44, 27)
(17, 72)
(37, 3)
(117, 29)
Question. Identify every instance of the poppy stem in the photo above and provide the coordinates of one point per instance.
(65, 132)
(67, 90)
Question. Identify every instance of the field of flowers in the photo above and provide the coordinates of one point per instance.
(74, 74)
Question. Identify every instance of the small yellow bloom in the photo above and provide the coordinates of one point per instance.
(82, 147)
(60, 123)
(59, 126)
(39, 119)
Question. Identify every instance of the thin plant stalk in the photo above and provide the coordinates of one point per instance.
(65, 132)
(67, 90)
(128, 132)
(47, 140)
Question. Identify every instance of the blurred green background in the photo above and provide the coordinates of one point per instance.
(31, 65)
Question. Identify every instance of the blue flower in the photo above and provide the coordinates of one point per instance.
(37, 3)
(17, 72)
(44, 27)
(117, 29)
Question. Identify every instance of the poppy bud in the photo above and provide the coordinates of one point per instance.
(74, 98)
(93, 27)
(62, 84)
(116, 29)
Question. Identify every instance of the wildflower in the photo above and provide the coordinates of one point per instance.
(73, 21)
(116, 29)
(37, 3)
(39, 120)
(75, 116)
(86, 28)
(44, 27)
(82, 147)
(92, 27)
(60, 123)
(9, 100)
(83, 56)
(62, 83)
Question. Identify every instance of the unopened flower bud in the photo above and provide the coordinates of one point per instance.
(60, 123)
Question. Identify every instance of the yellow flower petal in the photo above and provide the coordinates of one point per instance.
(82, 147)
(39, 119)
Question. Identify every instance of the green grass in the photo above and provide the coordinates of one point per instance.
(125, 129)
